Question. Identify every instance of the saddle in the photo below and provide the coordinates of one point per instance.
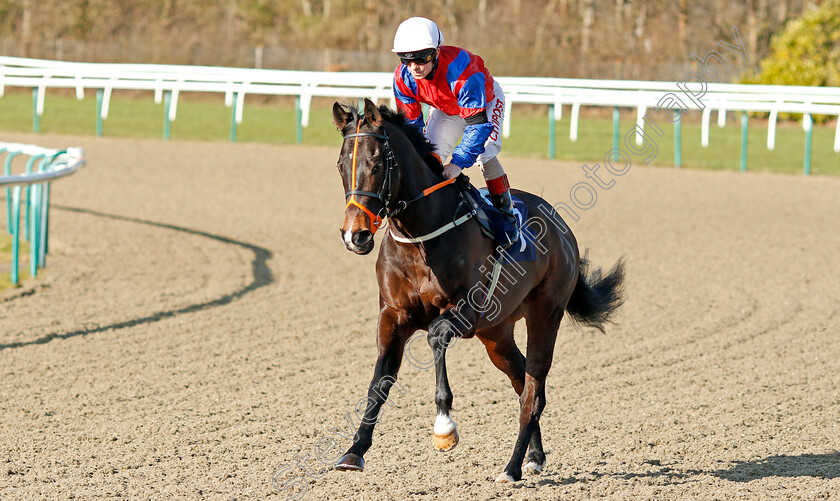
(493, 224)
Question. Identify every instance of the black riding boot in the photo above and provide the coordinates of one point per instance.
(504, 203)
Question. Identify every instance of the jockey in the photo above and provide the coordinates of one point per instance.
(467, 104)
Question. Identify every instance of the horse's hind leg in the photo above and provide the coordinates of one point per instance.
(442, 333)
(542, 333)
(505, 355)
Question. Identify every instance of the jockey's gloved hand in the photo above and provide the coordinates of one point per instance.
(451, 170)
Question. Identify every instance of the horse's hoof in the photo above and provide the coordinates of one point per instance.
(444, 443)
(533, 468)
(350, 462)
(505, 478)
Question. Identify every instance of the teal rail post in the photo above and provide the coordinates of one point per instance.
(15, 227)
(167, 102)
(34, 199)
(29, 164)
(36, 119)
(616, 133)
(8, 171)
(299, 121)
(678, 140)
(45, 223)
(100, 93)
(551, 131)
(809, 132)
(233, 118)
(744, 137)
(38, 223)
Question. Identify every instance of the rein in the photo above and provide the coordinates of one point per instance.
(384, 194)
(384, 198)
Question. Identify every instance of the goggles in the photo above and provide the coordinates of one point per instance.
(419, 57)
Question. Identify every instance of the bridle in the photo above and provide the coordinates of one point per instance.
(385, 193)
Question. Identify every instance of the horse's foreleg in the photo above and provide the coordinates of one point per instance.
(542, 333)
(442, 333)
(505, 355)
(391, 339)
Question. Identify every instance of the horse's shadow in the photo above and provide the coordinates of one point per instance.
(668, 474)
(826, 466)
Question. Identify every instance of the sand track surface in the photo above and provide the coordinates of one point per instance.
(200, 332)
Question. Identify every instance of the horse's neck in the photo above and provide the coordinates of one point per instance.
(430, 212)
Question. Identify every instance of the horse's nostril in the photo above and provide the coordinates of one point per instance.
(361, 238)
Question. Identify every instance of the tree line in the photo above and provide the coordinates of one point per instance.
(559, 38)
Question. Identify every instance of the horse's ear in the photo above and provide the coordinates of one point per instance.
(340, 116)
(372, 113)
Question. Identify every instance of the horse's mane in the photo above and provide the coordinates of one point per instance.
(424, 148)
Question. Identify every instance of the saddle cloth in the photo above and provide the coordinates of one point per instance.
(494, 225)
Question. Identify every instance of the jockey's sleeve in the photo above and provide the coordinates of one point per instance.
(472, 142)
(470, 90)
(405, 92)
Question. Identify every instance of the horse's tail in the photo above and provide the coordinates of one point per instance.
(596, 297)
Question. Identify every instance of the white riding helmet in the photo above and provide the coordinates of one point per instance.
(415, 34)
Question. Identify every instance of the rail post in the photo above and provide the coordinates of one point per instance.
(808, 124)
(551, 131)
(167, 102)
(298, 121)
(233, 130)
(616, 132)
(33, 200)
(15, 227)
(29, 206)
(744, 140)
(99, 98)
(10, 155)
(36, 118)
(678, 140)
(44, 243)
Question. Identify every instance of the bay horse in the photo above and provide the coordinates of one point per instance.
(430, 274)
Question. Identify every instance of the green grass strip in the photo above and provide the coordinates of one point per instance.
(206, 118)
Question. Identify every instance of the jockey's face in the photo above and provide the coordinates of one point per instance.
(418, 68)
(420, 71)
